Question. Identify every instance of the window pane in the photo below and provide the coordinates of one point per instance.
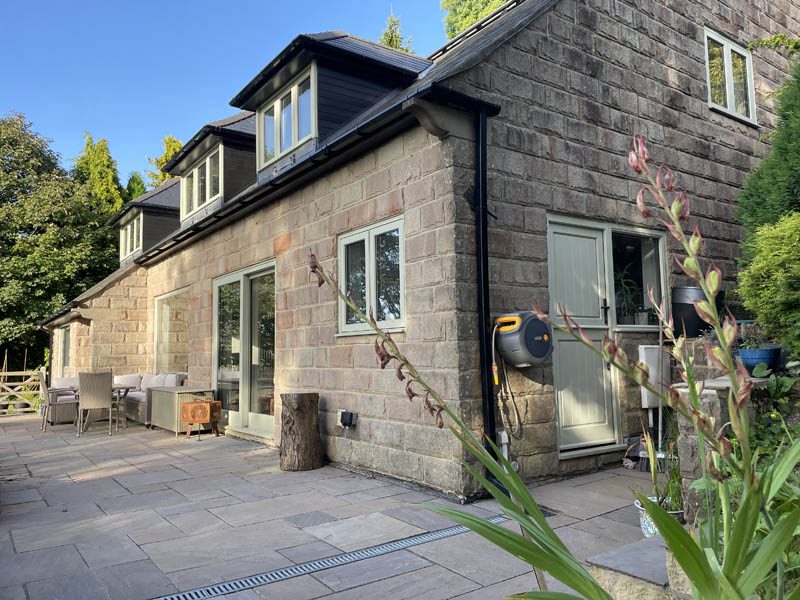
(269, 133)
(741, 95)
(356, 278)
(387, 273)
(228, 346)
(201, 184)
(123, 243)
(65, 351)
(213, 162)
(172, 350)
(136, 223)
(304, 109)
(286, 122)
(636, 271)
(262, 336)
(716, 73)
(130, 237)
(189, 192)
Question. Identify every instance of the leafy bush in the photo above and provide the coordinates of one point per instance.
(773, 189)
(770, 284)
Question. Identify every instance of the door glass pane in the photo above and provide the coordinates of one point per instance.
(356, 278)
(262, 344)
(269, 133)
(741, 95)
(387, 274)
(189, 189)
(228, 346)
(636, 271)
(716, 73)
(286, 122)
(172, 351)
(213, 163)
(304, 109)
(201, 184)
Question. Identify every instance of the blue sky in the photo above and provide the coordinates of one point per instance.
(133, 72)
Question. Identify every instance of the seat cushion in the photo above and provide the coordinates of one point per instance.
(133, 380)
(136, 396)
(65, 398)
(149, 380)
(64, 382)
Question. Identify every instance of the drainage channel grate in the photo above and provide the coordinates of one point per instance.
(247, 583)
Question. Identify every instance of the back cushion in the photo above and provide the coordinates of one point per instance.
(149, 380)
(171, 380)
(64, 382)
(132, 380)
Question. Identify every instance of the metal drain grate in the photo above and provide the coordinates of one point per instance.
(247, 583)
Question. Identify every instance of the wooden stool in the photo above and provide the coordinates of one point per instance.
(204, 411)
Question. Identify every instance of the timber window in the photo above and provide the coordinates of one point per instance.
(288, 119)
(729, 69)
(202, 183)
(371, 268)
(130, 237)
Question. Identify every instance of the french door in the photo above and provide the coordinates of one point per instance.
(244, 348)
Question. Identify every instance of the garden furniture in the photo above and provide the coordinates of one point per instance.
(53, 397)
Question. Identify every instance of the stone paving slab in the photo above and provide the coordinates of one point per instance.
(142, 514)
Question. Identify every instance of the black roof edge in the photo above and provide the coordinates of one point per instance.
(322, 155)
(205, 131)
(61, 311)
(304, 41)
(148, 208)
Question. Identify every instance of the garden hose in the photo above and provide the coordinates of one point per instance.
(505, 396)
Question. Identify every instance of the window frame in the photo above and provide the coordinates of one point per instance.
(368, 235)
(157, 309)
(729, 46)
(274, 102)
(128, 236)
(194, 171)
(66, 348)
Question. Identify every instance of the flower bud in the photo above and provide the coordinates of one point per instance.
(640, 204)
(633, 162)
(677, 208)
(706, 312)
(665, 179)
(730, 331)
(691, 267)
(714, 280)
(695, 242)
(641, 373)
(641, 149)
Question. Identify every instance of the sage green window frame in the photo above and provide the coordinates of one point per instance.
(192, 177)
(729, 47)
(274, 103)
(368, 235)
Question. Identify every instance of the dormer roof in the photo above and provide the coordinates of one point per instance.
(166, 198)
(238, 129)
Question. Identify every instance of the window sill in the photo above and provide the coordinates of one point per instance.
(636, 328)
(733, 115)
(198, 209)
(370, 331)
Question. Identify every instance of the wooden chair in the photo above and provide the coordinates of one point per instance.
(53, 396)
(96, 392)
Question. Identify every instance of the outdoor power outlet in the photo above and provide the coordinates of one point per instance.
(347, 418)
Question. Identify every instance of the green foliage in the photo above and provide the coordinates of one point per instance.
(773, 189)
(25, 158)
(135, 187)
(156, 177)
(392, 36)
(95, 168)
(461, 14)
(779, 41)
(770, 283)
(54, 241)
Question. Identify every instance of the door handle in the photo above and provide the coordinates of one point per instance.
(605, 308)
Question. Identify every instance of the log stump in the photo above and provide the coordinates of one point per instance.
(301, 445)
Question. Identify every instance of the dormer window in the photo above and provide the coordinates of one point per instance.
(202, 183)
(130, 237)
(288, 119)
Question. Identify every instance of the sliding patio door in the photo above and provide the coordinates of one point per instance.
(244, 344)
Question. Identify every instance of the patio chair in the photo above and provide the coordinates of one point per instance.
(53, 396)
(96, 392)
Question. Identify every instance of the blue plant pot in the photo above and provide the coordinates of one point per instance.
(753, 356)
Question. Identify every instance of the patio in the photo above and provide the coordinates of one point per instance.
(142, 514)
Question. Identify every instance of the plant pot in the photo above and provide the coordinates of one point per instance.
(687, 321)
(754, 356)
(649, 528)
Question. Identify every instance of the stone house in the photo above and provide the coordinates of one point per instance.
(443, 192)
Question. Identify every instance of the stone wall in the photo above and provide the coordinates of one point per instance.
(574, 87)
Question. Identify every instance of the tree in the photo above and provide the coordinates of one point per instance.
(773, 189)
(54, 236)
(461, 14)
(25, 158)
(171, 147)
(135, 186)
(98, 170)
(392, 36)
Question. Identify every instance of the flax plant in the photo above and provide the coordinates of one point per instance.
(726, 557)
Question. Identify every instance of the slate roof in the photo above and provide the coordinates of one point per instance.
(371, 50)
(244, 122)
(167, 195)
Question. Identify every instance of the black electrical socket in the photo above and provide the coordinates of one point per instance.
(347, 418)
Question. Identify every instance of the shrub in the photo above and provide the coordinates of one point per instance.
(773, 189)
(770, 284)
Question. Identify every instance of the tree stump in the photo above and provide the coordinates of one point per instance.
(301, 446)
